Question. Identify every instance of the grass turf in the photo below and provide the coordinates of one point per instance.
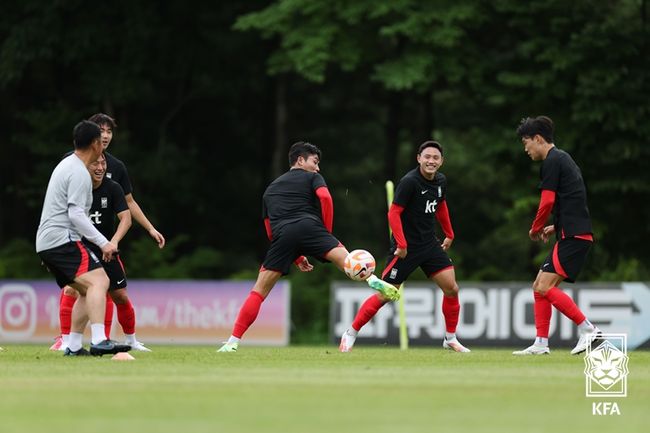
(309, 389)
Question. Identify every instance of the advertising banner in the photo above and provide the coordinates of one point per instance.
(494, 314)
(167, 312)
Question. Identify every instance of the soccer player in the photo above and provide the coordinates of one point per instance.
(64, 220)
(563, 193)
(420, 195)
(298, 216)
(116, 170)
(108, 200)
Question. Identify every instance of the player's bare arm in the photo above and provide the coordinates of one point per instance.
(139, 216)
(123, 226)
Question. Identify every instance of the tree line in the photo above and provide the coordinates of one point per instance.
(208, 97)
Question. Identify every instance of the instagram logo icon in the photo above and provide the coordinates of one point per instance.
(17, 311)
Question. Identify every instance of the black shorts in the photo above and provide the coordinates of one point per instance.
(431, 260)
(69, 261)
(114, 269)
(306, 237)
(567, 258)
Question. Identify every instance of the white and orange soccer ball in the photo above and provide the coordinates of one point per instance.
(359, 265)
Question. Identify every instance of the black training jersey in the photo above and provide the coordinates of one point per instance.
(561, 174)
(419, 197)
(291, 197)
(108, 201)
(116, 170)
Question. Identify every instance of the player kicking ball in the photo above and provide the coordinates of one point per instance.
(298, 216)
(564, 194)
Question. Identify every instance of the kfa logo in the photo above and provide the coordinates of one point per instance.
(430, 206)
(605, 408)
(606, 367)
(606, 372)
(104, 202)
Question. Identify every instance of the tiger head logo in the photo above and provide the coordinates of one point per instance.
(606, 365)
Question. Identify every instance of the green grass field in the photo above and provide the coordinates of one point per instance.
(309, 389)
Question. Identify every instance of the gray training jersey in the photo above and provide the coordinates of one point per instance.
(70, 184)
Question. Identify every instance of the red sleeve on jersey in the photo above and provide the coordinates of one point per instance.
(395, 223)
(267, 226)
(442, 215)
(326, 206)
(546, 203)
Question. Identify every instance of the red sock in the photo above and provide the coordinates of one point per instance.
(565, 304)
(451, 310)
(65, 312)
(126, 317)
(108, 319)
(367, 311)
(543, 310)
(247, 314)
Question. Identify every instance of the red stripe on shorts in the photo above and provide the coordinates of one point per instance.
(440, 270)
(556, 263)
(121, 264)
(389, 267)
(83, 266)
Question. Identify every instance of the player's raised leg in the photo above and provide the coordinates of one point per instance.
(388, 291)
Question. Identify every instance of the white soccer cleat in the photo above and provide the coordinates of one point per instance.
(229, 347)
(347, 342)
(454, 345)
(586, 339)
(138, 346)
(533, 350)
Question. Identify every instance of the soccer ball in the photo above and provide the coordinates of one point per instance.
(359, 265)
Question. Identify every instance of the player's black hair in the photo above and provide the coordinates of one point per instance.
(304, 149)
(103, 119)
(84, 133)
(430, 143)
(540, 125)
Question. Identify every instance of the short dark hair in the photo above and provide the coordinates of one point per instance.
(103, 119)
(540, 125)
(304, 149)
(430, 143)
(84, 133)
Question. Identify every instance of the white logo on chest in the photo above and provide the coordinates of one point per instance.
(95, 217)
(104, 202)
(430, 207)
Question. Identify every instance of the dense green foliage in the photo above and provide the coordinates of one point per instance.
(209, 96)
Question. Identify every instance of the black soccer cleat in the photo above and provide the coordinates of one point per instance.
(108, 347)
(80, 352)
